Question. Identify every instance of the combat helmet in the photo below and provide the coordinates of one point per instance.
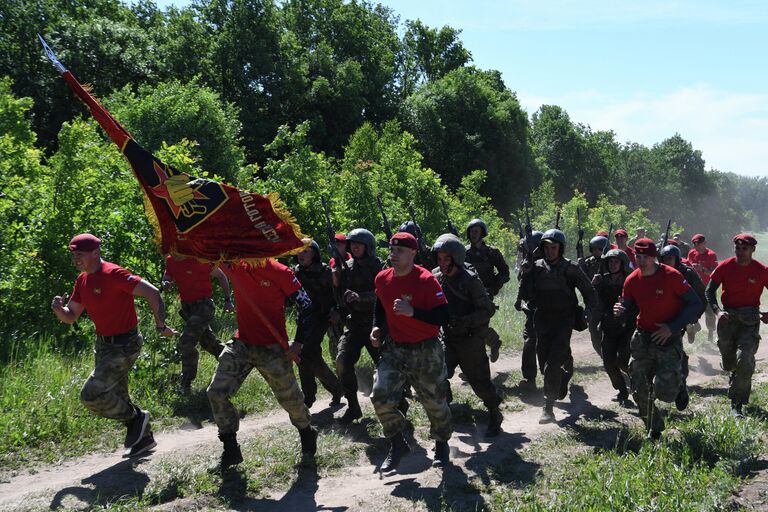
(554, 235)
(598, 241)
(363, 236)
(621, 255)
(451, 244)
(409, 227)
(671, 250)
(479, 223)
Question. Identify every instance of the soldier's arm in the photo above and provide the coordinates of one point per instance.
(166, 281)
(584, 285)
(224, 283)
(711, 293)
(306, 317)
(484, 307)
(156, 304)
(689, 313)
(698, 287)
(502, 268)
(68, 313)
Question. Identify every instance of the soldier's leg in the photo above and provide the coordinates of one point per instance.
(105, 392)
(276, 369)
(610, 348)
(318, 367)
(558, 366)
(595, 335)
(474, 363)
(748, 340)
(388, 382)
(529, 368)
(727, 343)
(307, 374)
(494, 342)
(350, 346)
(208, 340)
(451, 349)
(692, 330)
(235, 363)
(669, 369)
(426, 372)
(197, 318)
(711, 320)
(642, 369)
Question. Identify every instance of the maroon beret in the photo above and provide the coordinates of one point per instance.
(674, 242)
(698, 237)
(645, 246)
(404, 239)
(601, 233)
(340, 237)
(84, 242)
(621, 232)
(745, 238)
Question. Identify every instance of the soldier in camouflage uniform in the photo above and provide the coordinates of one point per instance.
(193, 280)
(670, 255)
(338, 313)
(551, 287)
(615, 333)
(592, 266)
(471, 309)
(682, 244)
(492, 269)
(260, 293)
(106, 292)
(528, 360)
(360, 298)
(410, 308)
(665, 305)
(315, 278)
(738, 322)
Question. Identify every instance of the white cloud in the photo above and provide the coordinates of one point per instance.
(731, 129)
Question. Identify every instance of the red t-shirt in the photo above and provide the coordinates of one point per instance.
(742, 286)
(265, 287)
(192, 278)
(658, 296)
(332, 261)
(422, 290)
(707, 259)
(107, 296)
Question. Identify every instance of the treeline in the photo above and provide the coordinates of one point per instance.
(306, 98)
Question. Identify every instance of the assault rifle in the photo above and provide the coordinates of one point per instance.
(666, 235)
(423, 252)
(580, 241)
(451, 227)
(608, 245)
(528, 235)
(557, 220)
(519, 226)
(341, 263)
(385, 226)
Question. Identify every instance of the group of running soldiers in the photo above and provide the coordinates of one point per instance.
(419, 325)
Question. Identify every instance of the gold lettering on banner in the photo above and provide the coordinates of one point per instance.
(254, 215)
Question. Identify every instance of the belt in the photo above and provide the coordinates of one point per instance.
(414, 346)
(119, 339)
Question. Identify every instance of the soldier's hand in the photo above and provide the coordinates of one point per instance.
(662, 334)
(294, 350)
(402, 307)
(228, 306)
(722, 316)
(59, 301)
(350, 296)
(764, 317)
(619, 309)
(596, 279)
(168, 331)
(167, 285)
(375, 337)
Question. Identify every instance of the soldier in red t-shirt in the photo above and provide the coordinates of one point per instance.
(666, 304)
(410, 308)
(260, 294)
(193, 279)
(621, 243)
(738, 322)
(106, 292)
(704, 261)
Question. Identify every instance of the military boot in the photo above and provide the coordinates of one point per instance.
(736, 410)
(547, 414)
(682, 398)
(308, 438)
(442, 454)
(353, 411)
(232, 455)
(494, 422)
(397, 450)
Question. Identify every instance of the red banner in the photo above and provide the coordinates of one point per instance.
(199, 217)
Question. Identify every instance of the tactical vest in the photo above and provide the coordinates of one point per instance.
(482, 260)
(360, 278)
(554, 290)
(316, 281)
(455, 289)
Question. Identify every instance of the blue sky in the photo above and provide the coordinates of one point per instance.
(645, 69)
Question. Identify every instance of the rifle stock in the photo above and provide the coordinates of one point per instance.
(341, 264)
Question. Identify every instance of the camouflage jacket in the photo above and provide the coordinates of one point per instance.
(360, 279)
(552, 287)
(468, 302)
(316, 280)
(490, 266)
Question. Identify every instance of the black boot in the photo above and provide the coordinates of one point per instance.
(353, 410)
(494, 422)
(398, 448)
(547, 414)
(442, 454)
(403, 406)
(308, 438)
(682, 398)
(232, 455)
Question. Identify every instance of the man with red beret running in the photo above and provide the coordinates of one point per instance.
(704, 261)
(738, 322)
(410, 308)
(666, 304)
(106, 292)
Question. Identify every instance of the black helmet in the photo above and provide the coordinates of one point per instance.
(311, 244)
(672, 250)
(621, 255)
(451, 244)
(598, 241)
(554, 235)
(408, 227)
(482, 225)
(363, 236)
(536, 237)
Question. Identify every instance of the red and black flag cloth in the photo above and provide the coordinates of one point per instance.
(194, 216)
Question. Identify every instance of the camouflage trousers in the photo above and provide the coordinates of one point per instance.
(656, 371)
(197, 317)
(312, 365)
(356, 336)
(615, 353)
(553, 350)
(235, 364)
(423, 366)
(468, 353)
(710, 321)
(738, 339)
(528, 363)
(105, 393)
